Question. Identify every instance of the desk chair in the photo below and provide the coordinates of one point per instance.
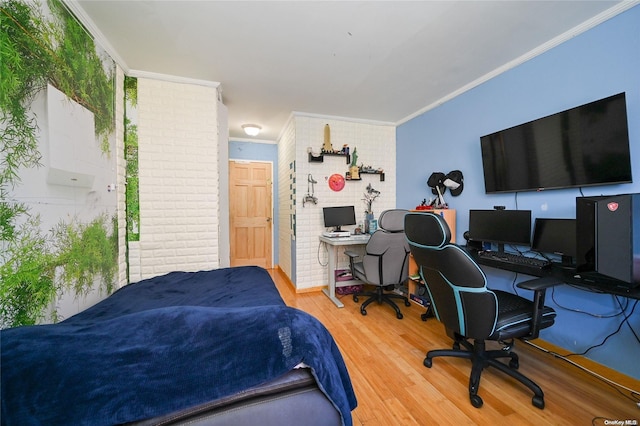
(470, 312)
(385, 263)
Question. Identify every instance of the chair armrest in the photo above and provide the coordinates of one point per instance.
(352, 260)
(539, 283)
(351, 254)
(539, 287)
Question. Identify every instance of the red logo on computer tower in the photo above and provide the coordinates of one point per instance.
(612, 206)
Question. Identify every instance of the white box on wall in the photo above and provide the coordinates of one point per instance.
(74, 153)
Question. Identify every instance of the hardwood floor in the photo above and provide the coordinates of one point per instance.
(384, 357)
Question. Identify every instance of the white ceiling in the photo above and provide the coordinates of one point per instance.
(372, 60)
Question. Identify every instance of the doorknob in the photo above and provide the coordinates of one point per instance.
(268, 219)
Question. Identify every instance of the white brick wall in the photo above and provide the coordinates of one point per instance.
(286, 185)
(375, 143)
(178, 169)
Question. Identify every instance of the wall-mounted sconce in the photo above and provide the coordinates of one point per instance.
(251, 129)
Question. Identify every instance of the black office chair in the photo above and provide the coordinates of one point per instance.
(385, 263)
(470, 312)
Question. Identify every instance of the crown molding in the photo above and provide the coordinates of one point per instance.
(172, 78)
(348, 119)
(264, 141)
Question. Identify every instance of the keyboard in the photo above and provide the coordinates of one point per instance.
(515, 259)
(336, 234)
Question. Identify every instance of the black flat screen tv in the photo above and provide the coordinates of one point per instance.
(583, 146)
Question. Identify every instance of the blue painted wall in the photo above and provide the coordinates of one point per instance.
(601, 62)
(241, 150)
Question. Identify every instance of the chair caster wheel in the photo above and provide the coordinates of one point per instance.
(538, 402)
(355, 299)
(407, 303)
(428, 362)
(476, 401)
(399, 315)
(514, 364)
(363, 312)
(424, 317)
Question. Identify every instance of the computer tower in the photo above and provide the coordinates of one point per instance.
(608, 238)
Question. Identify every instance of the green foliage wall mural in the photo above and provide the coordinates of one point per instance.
(55, 239)
(131, 158)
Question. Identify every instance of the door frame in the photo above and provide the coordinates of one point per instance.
(274, 219)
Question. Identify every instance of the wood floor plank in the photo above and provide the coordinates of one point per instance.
(384, 357)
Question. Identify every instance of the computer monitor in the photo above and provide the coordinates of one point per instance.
(500, 227)
(337, 217)
(557, 236)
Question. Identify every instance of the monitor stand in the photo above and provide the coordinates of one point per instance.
(500, 253)
(567, 262)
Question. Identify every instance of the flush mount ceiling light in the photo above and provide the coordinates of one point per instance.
(251, 129)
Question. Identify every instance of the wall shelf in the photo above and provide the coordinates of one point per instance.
(348, 177)
(375, 172)
(320, 158)
(316, 158)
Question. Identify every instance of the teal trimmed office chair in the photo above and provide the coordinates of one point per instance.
(470, 312)
(385, 263)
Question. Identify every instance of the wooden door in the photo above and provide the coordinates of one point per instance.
(250, 213)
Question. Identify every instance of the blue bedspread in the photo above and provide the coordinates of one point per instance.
(162, 345)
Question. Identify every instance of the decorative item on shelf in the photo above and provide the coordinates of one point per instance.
(314, 157)
(437, 188)
(424, 205)
(368, 170)
(369, 197)
(439, 182)
(354, 171)
(310, 197)
(327, 147)
(455, 182)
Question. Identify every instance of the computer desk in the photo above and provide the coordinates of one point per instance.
(335, 244)
(563, 276)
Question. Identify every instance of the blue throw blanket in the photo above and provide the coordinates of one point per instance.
(146, 352)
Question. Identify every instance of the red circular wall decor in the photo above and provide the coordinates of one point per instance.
(336, 182)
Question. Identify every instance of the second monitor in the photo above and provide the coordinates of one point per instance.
(557, 236)
(500, 227)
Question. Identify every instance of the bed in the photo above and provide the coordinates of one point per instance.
(209, 347)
